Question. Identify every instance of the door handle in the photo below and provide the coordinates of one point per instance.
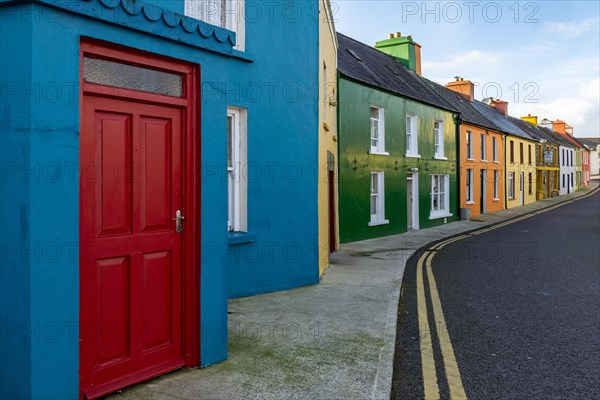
(178, 221)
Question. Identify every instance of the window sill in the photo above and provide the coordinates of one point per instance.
(470, 202)
(379, 153)
(412, 155)
(242, 55)
(440, 215)
(376, 223)
(482, 160)
(496, 161)
(235, 238)
(470, 159)
(440, 158)
(496, 199)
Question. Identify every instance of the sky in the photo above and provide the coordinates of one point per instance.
(543, 57)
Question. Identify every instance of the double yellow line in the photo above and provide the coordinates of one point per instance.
(430, 380)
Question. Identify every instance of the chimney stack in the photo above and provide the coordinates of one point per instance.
(569, 130)
(532, 119)
(465, 88)
(500, 105)
(546, 123)
(404, 49)
(559, 126)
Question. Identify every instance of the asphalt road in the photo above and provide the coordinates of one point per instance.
(521, 306)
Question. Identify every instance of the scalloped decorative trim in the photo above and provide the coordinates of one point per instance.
(171, 19)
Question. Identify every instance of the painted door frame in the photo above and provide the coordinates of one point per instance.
(414, 181)
(331, 211)
(483, 191)
(522, 187)
(190, 105)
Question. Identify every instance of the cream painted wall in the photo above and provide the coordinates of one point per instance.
(519, 166)
(327, 128)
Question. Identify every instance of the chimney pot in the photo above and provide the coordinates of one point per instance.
(391, 36)
(398, 34)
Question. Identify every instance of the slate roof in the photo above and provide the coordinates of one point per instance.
(368, 65)
(557, 137)
(468, 113)
(590, 142)
(534, 131)
(573, 140)
(505, 123)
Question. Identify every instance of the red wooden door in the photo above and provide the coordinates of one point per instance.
(131, 255)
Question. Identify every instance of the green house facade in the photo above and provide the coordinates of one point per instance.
(397, 147)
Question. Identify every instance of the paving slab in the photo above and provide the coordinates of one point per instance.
(334, 340)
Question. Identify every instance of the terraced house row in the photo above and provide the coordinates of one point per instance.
(415, 154)
(160, 157)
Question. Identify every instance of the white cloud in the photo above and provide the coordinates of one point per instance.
(572, 29)
(464, 59)
(580, 110)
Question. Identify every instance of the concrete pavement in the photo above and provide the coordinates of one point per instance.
(334, 340)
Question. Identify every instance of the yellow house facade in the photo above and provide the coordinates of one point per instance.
(328, 155)
(520, 171)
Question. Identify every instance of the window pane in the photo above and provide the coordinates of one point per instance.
(373, 183)
(374, 112)
(374, 128)
(126, 76)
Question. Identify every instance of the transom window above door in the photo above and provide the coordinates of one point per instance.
(132, 77)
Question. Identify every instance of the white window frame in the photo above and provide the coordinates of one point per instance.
(470, 186)
(571, 158)
(377, 192)
(438, 140)
(494, 149)
(483, 148)
(443, 182)
(496, 185)
(377, 124)
(228, 14)
(412, 136)
(469, 145)
(237, 187)
(511, 185)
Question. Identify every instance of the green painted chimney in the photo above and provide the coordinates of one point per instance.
(404, 49)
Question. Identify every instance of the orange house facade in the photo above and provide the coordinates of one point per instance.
(481, 151)
(481, 170)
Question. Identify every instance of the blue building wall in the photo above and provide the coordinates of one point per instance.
(15, 350)
(39, 302)
(280, 91)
